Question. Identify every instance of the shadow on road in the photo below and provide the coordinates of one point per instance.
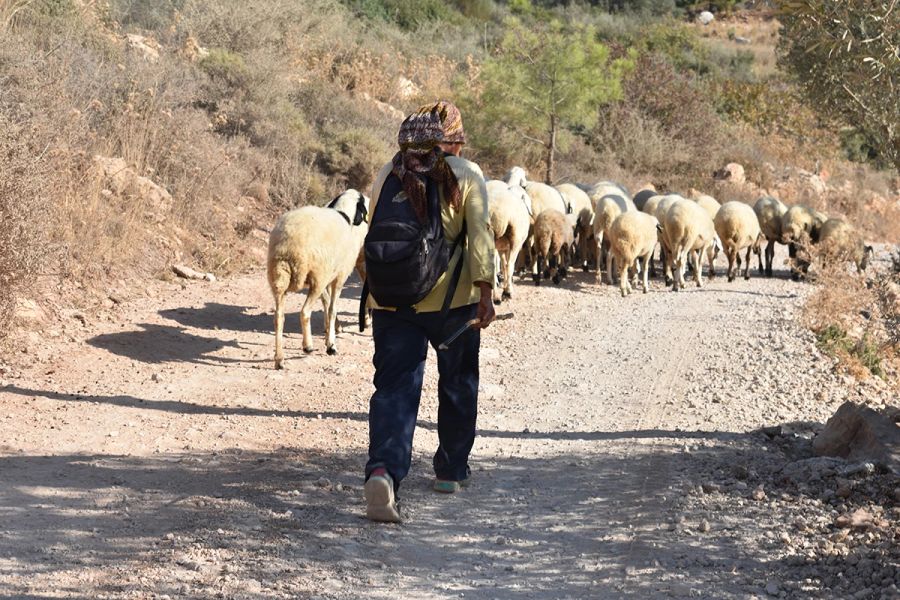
(564, 526)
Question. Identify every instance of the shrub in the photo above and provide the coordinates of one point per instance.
(24, 205)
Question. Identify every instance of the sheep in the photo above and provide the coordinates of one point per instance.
(641, 197)
(606, 209)
(769, 211)
(317, 247)
(662, 209)
(838, 240)
(510, 219)
(738, 228)
(545, 197)
(552, 240)
(800, 227)
(711, 206)
(517, 176)
(632, 236)
(688, 232)
(581, 206)
(603, 188)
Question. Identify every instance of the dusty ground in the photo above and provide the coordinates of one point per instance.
(152, 452)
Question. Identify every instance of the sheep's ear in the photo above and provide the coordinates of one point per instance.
(870, 250)
(333, 202)
(361, 211)
(659, 227)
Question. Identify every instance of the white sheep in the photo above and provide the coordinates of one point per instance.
(688, 232)
(517, 176)
(661, 212)
(632, 236)
(839, 241)
(738, 228)
(552, 240)
(581, 206)
(711, 206)
(316, 247)
(510, 220)
(606, 209)
(769, 212)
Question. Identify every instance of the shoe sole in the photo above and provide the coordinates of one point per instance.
(380, 504)
(444, 486)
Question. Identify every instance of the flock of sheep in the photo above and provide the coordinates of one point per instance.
(551, 228)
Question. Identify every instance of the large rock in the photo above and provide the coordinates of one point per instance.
(123, 180)
(859, 433)
(706, 17)
(147, 47)
(732, 172)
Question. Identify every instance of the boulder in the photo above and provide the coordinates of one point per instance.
(732, 172)
(705, 17)
(28, 312)
(859, 433)
(123, 180)
(148, 48)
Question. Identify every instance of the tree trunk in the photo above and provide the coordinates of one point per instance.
(551, 151)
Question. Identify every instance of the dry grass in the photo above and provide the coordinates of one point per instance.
(856, 318)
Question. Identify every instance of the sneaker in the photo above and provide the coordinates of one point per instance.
(449, 486)
(380, 502)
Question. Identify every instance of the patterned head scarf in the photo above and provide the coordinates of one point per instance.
(419, 136)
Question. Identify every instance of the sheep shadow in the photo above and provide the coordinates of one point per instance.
(226, 317)
(155, 344)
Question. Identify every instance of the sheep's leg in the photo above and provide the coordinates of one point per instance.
(770, 256)
(747, 266)
(761, 268)
(554, 268)
(696, 259)
(279, 329)
(511, 261)
(315, 290)
(538, 269)
(624, 286)
(610, 279)
(599, 238)
(646, 270)
(326, 300)
(711, 257)
(331, 318)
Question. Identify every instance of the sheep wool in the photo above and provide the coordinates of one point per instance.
(315, 247)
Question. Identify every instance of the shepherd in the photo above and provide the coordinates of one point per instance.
(429, 270)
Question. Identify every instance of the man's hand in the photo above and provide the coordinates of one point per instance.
(485, 312)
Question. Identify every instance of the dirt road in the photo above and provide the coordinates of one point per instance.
(154, 453)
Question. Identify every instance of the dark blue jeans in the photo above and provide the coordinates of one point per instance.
(401, 343)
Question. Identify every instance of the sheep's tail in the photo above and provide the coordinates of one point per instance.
(283, 277)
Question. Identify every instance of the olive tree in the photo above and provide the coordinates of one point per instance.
(846, 56)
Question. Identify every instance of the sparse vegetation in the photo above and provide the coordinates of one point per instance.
(241, 111)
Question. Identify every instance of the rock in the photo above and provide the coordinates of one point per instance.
(27, 311)
(189, 273)
(193, 50)
(323, 482)
(859, 433)
(147, 47)
(703, 527)
(811, 468)
(123, 180)
(705, 17)
(384, 108)
(732, 172)
(773, 587)
(406, 89)
(858, 519)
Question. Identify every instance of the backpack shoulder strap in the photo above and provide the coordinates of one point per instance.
(457, 270)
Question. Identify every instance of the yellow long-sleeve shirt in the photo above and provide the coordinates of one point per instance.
(478, 251)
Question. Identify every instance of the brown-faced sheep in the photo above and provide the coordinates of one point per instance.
(800, 228)
(606, 209)
(316, 247)
(552, 240)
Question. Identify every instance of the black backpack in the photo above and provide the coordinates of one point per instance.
(404, 257)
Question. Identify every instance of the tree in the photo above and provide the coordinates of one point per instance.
(546, 79)
(846, 56)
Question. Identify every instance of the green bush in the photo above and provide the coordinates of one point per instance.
(407, 14)
(834, 340)
(225, 66)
